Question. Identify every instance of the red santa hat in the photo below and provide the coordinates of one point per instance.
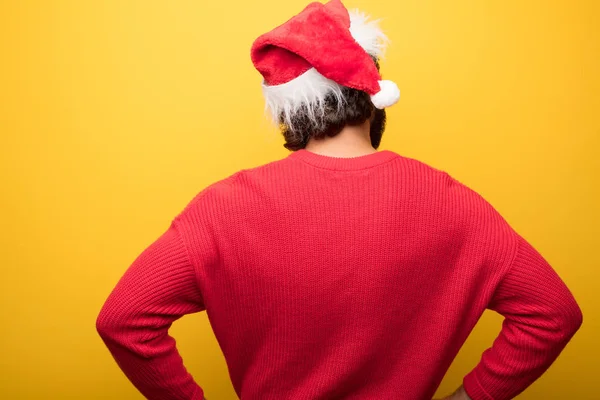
(317, 52)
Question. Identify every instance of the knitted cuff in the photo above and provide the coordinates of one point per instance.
(474, 389)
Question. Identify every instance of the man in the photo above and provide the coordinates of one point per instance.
(340, 271)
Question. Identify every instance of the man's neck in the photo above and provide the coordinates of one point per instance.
(352, 141)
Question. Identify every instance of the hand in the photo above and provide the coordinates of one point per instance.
(459, 394)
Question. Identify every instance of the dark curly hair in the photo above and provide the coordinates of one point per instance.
(353, 108)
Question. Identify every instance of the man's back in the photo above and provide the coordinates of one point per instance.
(361, 278)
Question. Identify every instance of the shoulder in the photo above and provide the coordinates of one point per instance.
(453, 190)
(209, 197)
(472, 203)
(486, 230)
(470, 213)
(431, 182)
(220, 193)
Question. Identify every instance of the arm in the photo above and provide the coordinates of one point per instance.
(157, 289)
(541, 316)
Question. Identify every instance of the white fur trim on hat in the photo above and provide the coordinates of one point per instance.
(387, 96)
(367, 33)
(309, 89)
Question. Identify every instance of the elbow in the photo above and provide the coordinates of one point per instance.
(123, 329)
(576, 319)
(571, 319)
(109, 324)
(117, 333)
(104, 327)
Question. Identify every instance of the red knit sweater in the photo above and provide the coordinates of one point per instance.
(339, 278)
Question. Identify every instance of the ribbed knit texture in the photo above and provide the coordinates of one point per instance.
(339, 278)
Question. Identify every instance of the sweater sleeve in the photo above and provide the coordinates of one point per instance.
(541, 316)
(158, 288)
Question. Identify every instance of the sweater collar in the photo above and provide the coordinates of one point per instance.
(343, 163)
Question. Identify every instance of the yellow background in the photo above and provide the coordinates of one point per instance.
(114, 114)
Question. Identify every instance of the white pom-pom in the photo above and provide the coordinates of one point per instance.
(387, 96)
